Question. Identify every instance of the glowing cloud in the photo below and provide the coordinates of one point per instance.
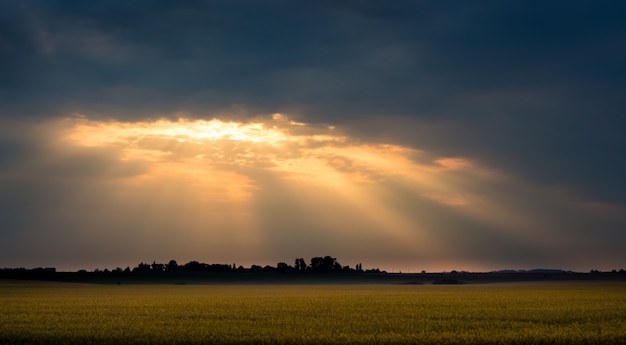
(224, 161)
(272, 188)
(195, 149)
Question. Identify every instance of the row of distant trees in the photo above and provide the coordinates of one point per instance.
(317, 264)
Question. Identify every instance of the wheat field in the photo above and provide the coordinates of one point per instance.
(512, 313)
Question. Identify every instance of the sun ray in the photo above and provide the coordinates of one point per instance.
(224, 174)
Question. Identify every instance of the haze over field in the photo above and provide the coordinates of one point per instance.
(402, 135)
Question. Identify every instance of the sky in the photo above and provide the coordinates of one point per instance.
(403, 135)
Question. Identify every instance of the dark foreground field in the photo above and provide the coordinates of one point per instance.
(573, 312)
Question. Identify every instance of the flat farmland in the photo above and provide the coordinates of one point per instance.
(509, 313)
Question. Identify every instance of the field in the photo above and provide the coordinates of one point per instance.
(513, 313)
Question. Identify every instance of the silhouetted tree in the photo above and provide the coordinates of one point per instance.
(194, 266)
(157, 267)
(172, 266)
(317, 263)
(141, 268)
(283, 267)
(325, 264)
(300, 264)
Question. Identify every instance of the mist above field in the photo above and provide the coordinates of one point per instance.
(401, 135)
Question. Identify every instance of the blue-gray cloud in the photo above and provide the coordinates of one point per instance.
(330, 60)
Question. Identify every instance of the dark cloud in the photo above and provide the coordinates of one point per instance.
(330, 60)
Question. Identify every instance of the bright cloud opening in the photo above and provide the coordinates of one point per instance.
(272, 188)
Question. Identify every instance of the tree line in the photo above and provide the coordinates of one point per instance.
(319, 264)
(325, 264)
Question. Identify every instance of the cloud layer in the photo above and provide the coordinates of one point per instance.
(271, 189)
(493, 125)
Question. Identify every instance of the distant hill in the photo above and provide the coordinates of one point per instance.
(536, 270)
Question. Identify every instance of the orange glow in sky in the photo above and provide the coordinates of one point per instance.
(243, 190)
(214, 154)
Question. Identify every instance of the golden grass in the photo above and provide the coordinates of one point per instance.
(516, 313)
